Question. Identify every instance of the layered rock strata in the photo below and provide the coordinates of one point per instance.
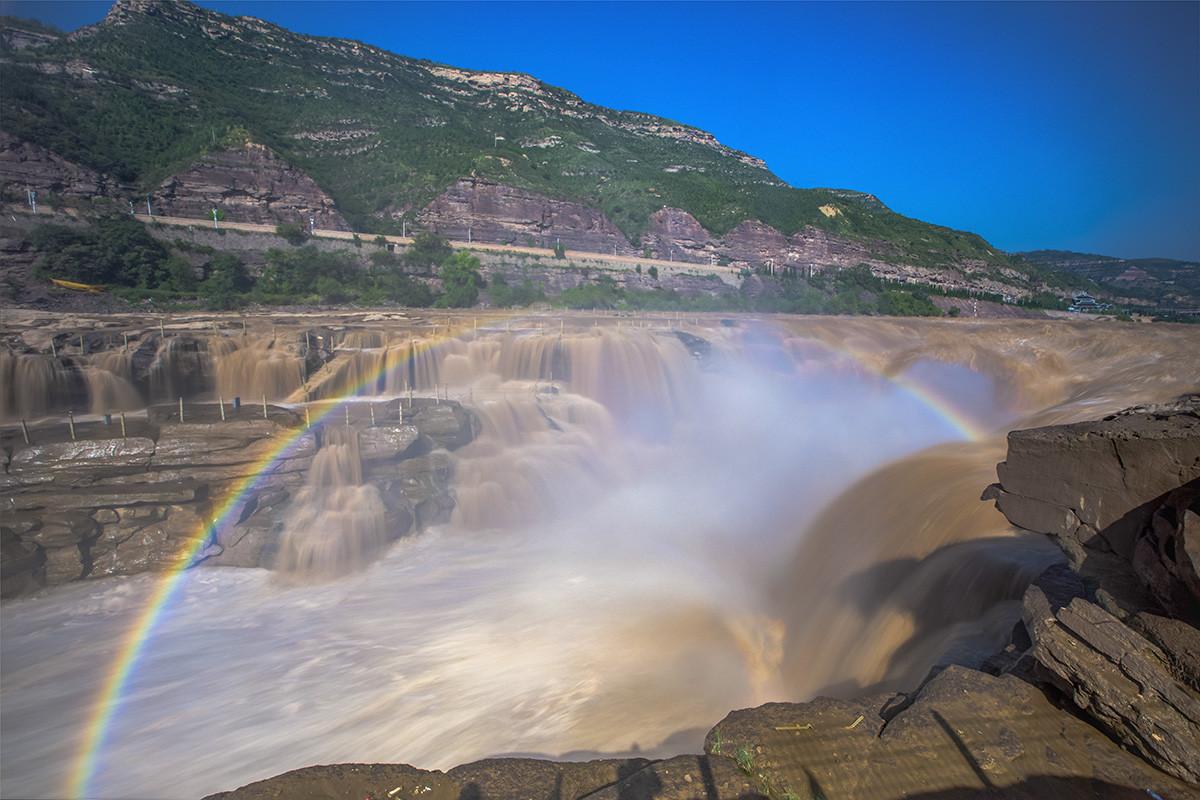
(248, 184)
(102, 504)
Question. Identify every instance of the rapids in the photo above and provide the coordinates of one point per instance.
(643, 540)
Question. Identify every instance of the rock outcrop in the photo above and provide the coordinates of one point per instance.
(492, 212)
(27, 166)
(103, 504)
(1121, 496)
(1097, 488)
(247, 184)
(964, 734)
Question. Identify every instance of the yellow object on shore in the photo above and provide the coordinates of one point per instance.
(79, 287)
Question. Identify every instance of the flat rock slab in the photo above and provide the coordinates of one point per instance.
(965, 734)
(1119, 678)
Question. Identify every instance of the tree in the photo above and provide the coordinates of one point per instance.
(291, 233)
(226, 282)
(653, 272)
(181, 275)
(428, 250)
(460, 281)
(117, 249)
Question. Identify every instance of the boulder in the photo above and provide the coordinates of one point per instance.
(1118, 678)
(448, 424)
(1093, 484)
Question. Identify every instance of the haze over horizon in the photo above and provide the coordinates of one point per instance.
(1064, 126)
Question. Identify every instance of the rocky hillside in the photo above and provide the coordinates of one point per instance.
(164, 97)
(1174, 284)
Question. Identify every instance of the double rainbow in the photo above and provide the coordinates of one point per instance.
(134, 643)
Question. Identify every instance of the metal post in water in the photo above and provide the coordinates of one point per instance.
(264, 397)
(71, 423)
(126, 335)
(25, 431)
(162, 330)
(371, 406)
(181, 408)
(122, 424)
(221, 405)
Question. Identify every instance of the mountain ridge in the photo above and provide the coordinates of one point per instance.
(154, 86)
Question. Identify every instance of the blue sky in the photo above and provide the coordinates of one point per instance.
(1072, 125)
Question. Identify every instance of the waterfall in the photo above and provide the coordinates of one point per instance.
(336, 524)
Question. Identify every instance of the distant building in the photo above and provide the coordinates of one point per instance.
(1084, 303)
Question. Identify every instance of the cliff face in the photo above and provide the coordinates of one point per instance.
(24, 165)
(247, 184)
(500, 214)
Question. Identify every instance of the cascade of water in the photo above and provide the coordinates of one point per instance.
(336, 523)
(33, 384)
(262, 368)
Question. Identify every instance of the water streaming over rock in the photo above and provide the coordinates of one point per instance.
(643, 540)
(259, 368)
(337, 522)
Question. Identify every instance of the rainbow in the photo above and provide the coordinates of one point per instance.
(105, 709)
(129, 651)
(946, 411)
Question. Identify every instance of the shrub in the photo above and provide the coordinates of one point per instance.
(291, 233)
(460, 281)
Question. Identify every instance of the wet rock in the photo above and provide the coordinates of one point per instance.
(147, 543)
(448, 424)
(386, 442)
(64, 529)
(73, 458)
(63, 564)
(1119, 679)
(106, 496)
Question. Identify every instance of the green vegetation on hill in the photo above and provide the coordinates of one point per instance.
(117, 251)
(851, 291)
(147, 91)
